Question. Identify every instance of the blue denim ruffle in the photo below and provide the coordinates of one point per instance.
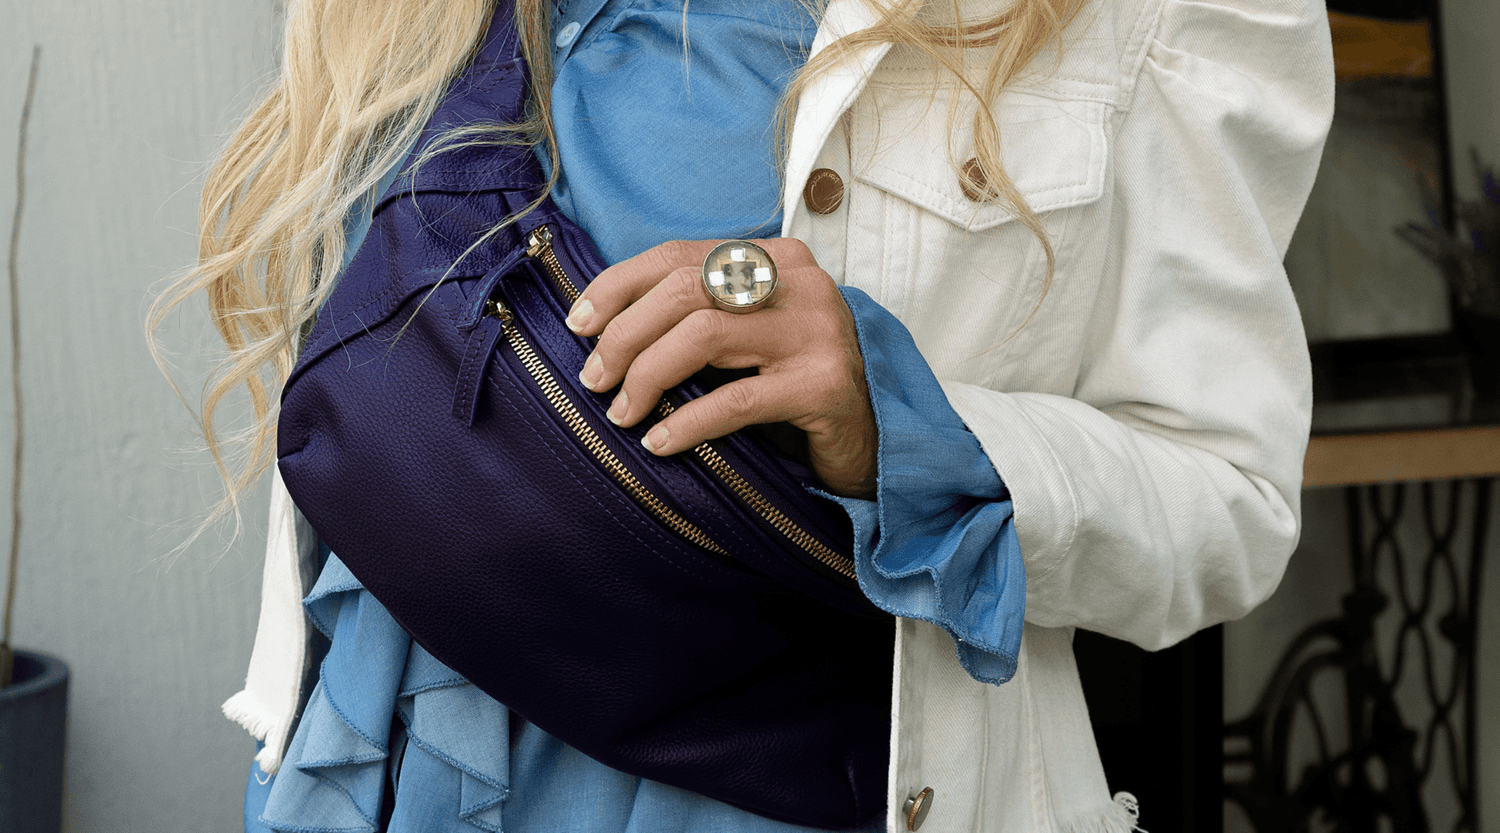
(333, 777)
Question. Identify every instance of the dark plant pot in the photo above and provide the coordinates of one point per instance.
(33, 718)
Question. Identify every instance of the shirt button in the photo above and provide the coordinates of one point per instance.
(824, 191)
(567, 34)
(917, 807)
(975, 185)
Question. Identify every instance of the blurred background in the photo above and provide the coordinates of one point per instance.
(1351, 701)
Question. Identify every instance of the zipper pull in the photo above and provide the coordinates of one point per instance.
(495, 308)
(538, 240)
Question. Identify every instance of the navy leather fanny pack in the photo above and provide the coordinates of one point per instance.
(693, 620)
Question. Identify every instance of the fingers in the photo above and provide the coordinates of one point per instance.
(817, 397)
(704, 337)
(627, 333)
(674, 332)
(656, 326)
(749, 401)
(621, 285)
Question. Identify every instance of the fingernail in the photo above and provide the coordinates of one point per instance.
(618, 408)
(655, 439)
(579, 315)
(593, 371)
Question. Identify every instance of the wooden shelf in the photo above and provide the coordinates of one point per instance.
(1390, 456)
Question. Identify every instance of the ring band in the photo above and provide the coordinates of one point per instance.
(739, 276)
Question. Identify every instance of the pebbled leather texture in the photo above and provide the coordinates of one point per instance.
(424, 454)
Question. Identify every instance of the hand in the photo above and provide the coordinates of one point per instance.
(656, 327)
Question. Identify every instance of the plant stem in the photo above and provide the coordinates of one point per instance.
(7, 655)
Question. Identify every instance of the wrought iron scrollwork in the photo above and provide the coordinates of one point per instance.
(1368, 722)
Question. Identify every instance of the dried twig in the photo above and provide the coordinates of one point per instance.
(7, 655)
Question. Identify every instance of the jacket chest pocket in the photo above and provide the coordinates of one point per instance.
(955, 265)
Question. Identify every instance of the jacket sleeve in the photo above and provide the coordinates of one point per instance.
(1163, 496)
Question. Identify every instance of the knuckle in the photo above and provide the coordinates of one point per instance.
(616, 333)
(674, 252)
(737, 400)
(796, 248)
(705, 327)
(686, 286)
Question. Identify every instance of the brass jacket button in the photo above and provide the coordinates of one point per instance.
(975, 184)
(824, 192)
(917, 807)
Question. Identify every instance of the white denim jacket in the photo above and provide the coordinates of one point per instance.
(1148, 410)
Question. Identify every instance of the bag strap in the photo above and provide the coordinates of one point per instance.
(424, 224)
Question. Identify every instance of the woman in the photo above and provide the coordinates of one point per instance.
(1076, 209)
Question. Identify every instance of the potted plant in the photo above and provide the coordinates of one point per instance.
(33, 686)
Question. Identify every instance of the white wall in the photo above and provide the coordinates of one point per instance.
(132, 100)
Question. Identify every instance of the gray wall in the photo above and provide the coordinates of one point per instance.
(131, 102)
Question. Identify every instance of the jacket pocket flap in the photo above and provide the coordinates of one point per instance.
(1053, 149)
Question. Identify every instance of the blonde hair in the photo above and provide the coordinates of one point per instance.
(359, 80)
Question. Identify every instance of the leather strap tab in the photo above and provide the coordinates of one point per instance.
(487, 285)
(480, 346)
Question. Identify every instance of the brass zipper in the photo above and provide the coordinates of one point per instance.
(539, 246)
(834, 560)
(586, 434)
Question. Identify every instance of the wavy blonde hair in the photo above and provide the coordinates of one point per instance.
(358, 81)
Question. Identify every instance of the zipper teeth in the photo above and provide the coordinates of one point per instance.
(842, 564)
(549, 257)
(540, 246)
(581, 429)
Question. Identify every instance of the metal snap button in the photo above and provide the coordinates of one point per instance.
(567, 34)
(917, 807)
(975, 184)
(824, 192)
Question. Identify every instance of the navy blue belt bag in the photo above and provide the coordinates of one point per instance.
(693, 620)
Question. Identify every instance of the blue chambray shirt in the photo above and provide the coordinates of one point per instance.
(691, 159)
(661, 143)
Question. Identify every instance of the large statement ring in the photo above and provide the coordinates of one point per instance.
(739, 276)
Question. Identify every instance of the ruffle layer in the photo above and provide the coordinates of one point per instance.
(337, 777)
